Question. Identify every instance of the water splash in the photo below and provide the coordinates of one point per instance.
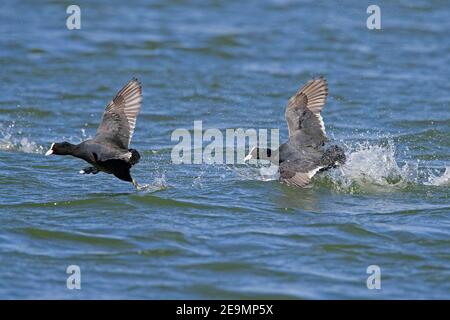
(263, 171)
(10, 140)
(443, 180)
(158, 185)
(152, 170)
(373, 167)
(160, 182)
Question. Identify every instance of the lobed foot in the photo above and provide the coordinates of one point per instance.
(138, 186)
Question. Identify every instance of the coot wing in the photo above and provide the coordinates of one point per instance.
(119, 119)
(302, 114)
(298, 173)
(298, 169)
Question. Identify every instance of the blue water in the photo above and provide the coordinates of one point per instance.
(223, 231)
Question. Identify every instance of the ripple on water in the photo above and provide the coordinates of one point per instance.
(73, 236)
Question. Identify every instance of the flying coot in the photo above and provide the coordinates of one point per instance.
(108, 151)
(304, 154)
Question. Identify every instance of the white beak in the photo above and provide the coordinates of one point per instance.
(248, 157)
(50, 151)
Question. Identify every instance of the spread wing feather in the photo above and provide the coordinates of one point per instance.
(119, 119)
(303, 117)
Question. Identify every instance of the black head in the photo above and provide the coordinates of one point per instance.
(61, 148)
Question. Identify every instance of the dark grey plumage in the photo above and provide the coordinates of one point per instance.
(108, 151)
(304, 154)
(119, 118)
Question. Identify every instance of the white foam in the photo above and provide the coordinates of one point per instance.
(443, 180)
(373, 166)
